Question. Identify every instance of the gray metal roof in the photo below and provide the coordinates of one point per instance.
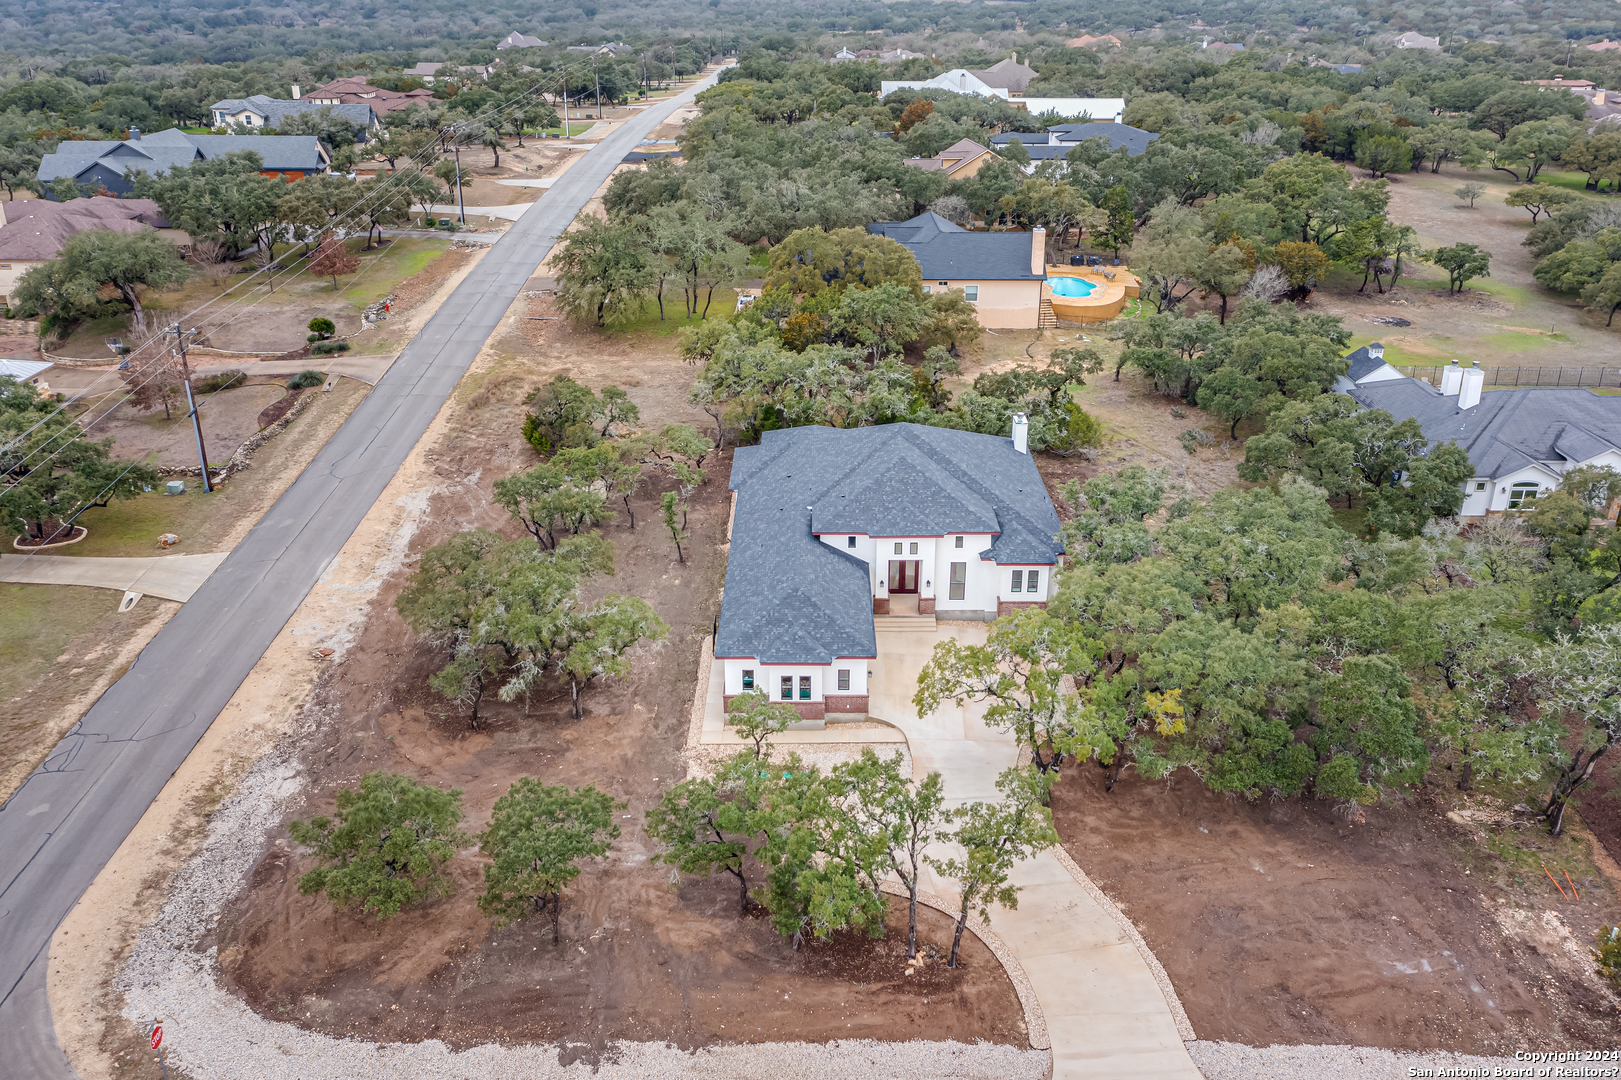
(1509, 429)
(790, 598)
(945, 251)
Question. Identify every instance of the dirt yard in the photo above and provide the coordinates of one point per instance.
(228, 418)
(1289, 923)
(644, 956)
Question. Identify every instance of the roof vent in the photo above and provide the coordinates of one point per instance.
(1377, 351)
(1021, 433)
(134, 134)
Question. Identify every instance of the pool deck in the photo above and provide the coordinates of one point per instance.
(1114, 286)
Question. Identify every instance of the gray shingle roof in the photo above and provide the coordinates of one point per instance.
(1509, 429)
(945, 252)
(790, 598)
(161, 151)
(1134, 140)
(274, 110)
(1362, 364)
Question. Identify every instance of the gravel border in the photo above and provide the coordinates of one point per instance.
(1234, 1061)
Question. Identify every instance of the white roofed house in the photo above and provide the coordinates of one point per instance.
(834, 529)
(1521, 441)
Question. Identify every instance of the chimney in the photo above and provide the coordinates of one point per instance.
(295, 91)
(1474, 380)
(1038, 251)
(1015, 58)
(1021, 433)
(1451, 379)
(1598, 96)
(134, 134)
(1377, 351)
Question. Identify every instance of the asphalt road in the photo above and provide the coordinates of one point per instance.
(66, 821)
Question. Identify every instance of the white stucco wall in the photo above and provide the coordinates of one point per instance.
(985, 583)
(824, 679)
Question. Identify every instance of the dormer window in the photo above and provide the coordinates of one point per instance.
(850, 541)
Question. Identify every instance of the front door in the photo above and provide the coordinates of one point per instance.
(903, 575)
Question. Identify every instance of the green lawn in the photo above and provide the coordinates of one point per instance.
(647, 322)
(38, 621)
(1574, 181)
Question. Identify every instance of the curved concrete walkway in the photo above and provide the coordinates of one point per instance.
(1110, 1010)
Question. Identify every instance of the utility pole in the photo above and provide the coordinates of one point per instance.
(598, 73)
(566, 132)
(461, 203)
(179, 353)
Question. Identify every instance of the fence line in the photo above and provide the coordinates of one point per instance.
(1584, 377)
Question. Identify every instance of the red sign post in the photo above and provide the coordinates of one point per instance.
(157, 1035)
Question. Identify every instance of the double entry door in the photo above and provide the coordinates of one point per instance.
(903, 575)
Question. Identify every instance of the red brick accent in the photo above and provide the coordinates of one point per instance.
(880, 605)
(1008, 607)
(925, 605)
(726, 702)
(847, 703)
(811, 710)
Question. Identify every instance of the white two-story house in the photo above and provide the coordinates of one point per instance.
(833, 529)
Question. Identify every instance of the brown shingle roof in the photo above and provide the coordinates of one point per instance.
(36, 229)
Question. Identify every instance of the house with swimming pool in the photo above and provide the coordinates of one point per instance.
(837, 533)
(1005, 275)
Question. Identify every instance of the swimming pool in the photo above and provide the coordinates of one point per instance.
(1072, 286)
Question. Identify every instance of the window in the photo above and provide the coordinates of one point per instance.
(748, 678)
(1480, 485)
(1018, 580)
(970, 293)
(849, 541)
(1031, 579)
(945, 284)
(804, 688)
(926, 290)
(897, 549)
(1522, 494)
(787, 688)
(959, 541)
(959, 580)
(844, 678)
(914, 547)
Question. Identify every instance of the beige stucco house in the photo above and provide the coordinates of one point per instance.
(1000, 273)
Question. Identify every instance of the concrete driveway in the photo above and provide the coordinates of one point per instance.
(1109, 1008)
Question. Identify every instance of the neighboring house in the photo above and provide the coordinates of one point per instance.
(1414, 40)
(959, 161)
(1343, 69)
(957, 81)
(1228, 47)
(357, 91)
(895, 56)
(963, 81)
(1090, 41)
(1521, 441)
(1604, 46)
(427, 71)
(33, 231)
(1063, 137)
(1009, 75)
(269, 112)
(835, 528)
(516, 40)
(103, 164)
(1000, 273)
(612, 48)
(843, 56)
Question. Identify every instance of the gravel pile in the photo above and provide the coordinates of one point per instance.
(1232, 1061)
(213, 1036)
